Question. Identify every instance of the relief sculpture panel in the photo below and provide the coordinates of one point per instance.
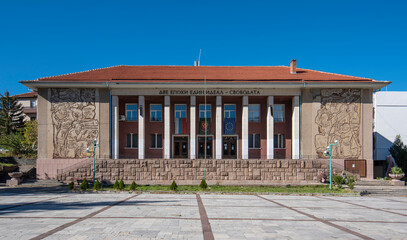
(339, 118)
(75, 126)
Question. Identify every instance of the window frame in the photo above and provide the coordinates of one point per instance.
(253, 120)
(280, 140)
(252, 136)
(175, 111)
(156, 111)
(206, 110)
(224, 110)
(156, 140)
(131, 141)
(274, 112)
(137, 108)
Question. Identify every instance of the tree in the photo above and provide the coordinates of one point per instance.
(399, 152)
(31, 135)
(11, 114)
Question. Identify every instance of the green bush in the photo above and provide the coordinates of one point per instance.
(203, 184)
(116, 185)
(338, 180)
(121, 185)
(71, 186)
(173, 186)
(396, 170)
(351, 179)
(133, 186)
(351, 185)
(97, 185)
(84, 185)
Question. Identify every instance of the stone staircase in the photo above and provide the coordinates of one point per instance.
(381, 187)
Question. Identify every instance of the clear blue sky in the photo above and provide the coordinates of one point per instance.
(46, 38)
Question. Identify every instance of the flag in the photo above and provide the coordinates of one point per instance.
(180, 126)
(204, 127)
(229, 127)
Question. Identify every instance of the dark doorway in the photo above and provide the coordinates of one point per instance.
(180, 147)
(229, 147)
(201, 147)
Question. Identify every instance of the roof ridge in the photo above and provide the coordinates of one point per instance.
(337, 74)
(95, 69)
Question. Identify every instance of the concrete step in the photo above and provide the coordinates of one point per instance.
(374, 182)
(382, 190)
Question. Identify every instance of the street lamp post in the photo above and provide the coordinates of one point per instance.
(95, 145)
(326, 153)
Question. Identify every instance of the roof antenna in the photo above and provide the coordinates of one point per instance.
(198, 62)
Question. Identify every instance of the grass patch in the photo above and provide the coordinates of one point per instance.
(7, 164)
(241, 189)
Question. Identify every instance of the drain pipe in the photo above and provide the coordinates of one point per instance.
(110, 118)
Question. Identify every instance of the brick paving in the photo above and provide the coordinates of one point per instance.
(201, 216)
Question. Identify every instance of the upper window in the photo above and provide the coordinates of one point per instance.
(33, 103)
(155, 113)
(131, 112)
(180, 111)
(230, 111)
(254, 140)
(205, 111)
(278, 112)
(254, 112)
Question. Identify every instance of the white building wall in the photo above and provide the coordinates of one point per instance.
(390, 110)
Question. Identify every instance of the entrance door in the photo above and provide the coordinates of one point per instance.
(201, 147)
(230, 147)
(180, 147)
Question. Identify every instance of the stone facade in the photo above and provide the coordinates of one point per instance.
(187, 171)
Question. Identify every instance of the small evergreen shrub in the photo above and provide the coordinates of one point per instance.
(173, 186)
(351, 185)
(133, 186)
(338, 180)
(116, 185)
(84, 185)
(71, 186)
(203, 184)
(97, 185)
(121, 185)
(351, 182)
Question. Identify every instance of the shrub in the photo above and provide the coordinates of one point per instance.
(97, 185)
(121, 185)
(351, 179)
(351, 185)
(396, 170)
(338, 180)
(133, 186)
(84, 185)
(203, 184)
(116, 185)
(399, 152)
(71, 186)
(173, 186)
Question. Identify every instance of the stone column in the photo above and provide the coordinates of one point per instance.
(167, 127)
(245, 127)
(218, 127)
(270, 128)
(296, 128)
(115, 127)
(192, 134)
(141, 131)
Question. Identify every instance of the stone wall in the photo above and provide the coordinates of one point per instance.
(186, 171)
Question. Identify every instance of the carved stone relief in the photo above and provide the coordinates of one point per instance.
(339, 119)
(73, 113)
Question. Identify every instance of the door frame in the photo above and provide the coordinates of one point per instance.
(237, 145)
(197, 145)
(173, 144)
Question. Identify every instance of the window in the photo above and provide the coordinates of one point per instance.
(278, 112)
(254, 112)
(155, 113)
(278, 141)
(33, 103)
(131, 112)
(131, 140)
(180, 111)
(230, 111)
(254, 140)
(156, 141)
(204, 109)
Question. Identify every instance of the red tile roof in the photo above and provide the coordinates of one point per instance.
(27, 95)
(191, 74)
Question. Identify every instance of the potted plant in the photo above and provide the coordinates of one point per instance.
(396, 173)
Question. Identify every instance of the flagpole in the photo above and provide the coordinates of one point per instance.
(206, 129)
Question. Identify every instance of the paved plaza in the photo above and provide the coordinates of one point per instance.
(42, 215)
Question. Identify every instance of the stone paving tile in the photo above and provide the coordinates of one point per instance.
(132, 229)
(320, 203)
(373, 202)
(378, 230)
(265, 229)
(28, 228)
(221, 202)
(151, 211)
